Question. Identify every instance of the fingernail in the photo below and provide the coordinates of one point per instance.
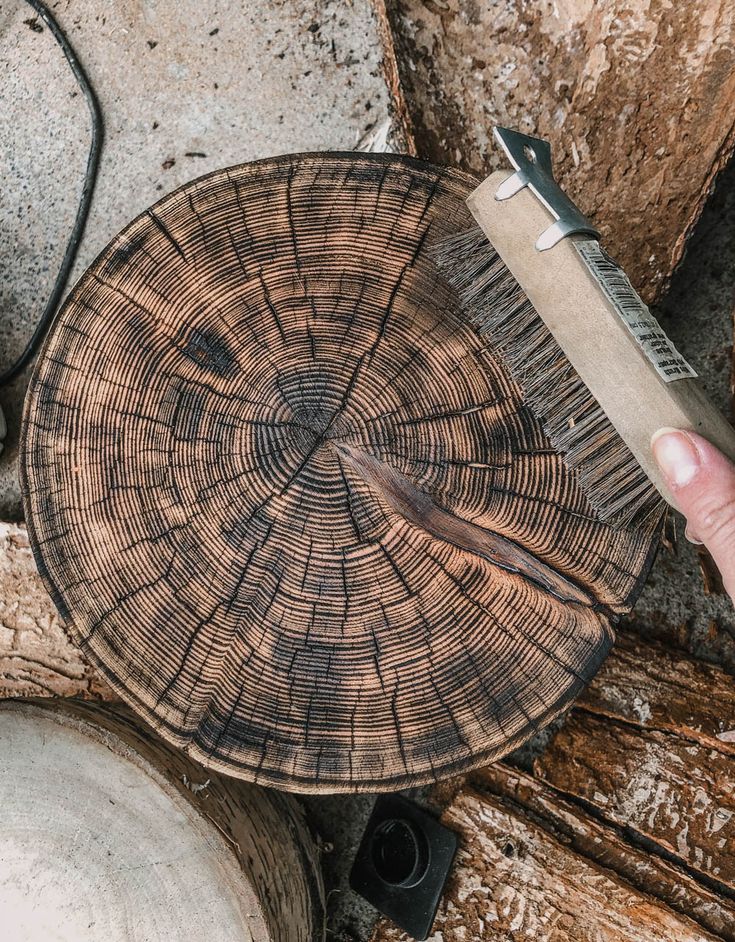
(676, 455)
(691, 538)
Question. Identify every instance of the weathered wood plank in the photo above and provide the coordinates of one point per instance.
(37, 657)
(514, 881)
(638, 99)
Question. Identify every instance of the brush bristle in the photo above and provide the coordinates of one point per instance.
(611, 478)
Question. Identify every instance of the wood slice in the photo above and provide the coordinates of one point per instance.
(289, 503)
(124, 838)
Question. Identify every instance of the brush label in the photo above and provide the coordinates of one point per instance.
(660, 351)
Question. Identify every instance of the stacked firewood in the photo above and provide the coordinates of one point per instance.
(624, 830)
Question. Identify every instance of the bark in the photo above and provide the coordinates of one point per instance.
(515, 881)
(638, 100)
(650, 749)
(657, 688)
(610, 848)
(37, 656)
(637, 782)
(674, 792)
(129, 839)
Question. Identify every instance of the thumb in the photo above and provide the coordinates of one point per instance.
(702, 482)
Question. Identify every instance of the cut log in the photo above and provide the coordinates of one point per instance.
(514, 881)
(638, 100)
(37, 656)
(638, 782)
(610, 848)
(123, 838)
(288, 502)
(648, 685)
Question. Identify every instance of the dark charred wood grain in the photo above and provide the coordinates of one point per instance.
(289, 504)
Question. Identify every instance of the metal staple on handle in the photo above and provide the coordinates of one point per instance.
(531, 158)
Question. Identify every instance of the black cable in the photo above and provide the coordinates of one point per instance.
(85, 200)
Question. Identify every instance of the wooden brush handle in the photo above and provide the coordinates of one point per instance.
(588, 328)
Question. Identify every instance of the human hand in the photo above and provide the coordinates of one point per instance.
(702, 481)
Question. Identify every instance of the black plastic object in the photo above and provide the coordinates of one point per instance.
(403, 862)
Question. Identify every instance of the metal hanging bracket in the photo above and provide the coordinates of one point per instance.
(531, 158)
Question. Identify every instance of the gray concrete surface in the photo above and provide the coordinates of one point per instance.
(185, 88)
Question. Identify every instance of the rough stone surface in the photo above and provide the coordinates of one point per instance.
(637, 99)
(185, 88)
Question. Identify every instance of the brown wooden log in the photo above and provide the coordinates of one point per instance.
(107, 833)
(514, 881)
(658, 733)
(656, 688)
(610, 848)
(638, 781)
(289, 503)
(671, 791)
(637, 98)
(37, 656)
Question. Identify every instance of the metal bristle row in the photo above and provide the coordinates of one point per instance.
(611, 478)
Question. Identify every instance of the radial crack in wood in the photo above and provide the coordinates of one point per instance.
(422, 511)
(290, 504)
